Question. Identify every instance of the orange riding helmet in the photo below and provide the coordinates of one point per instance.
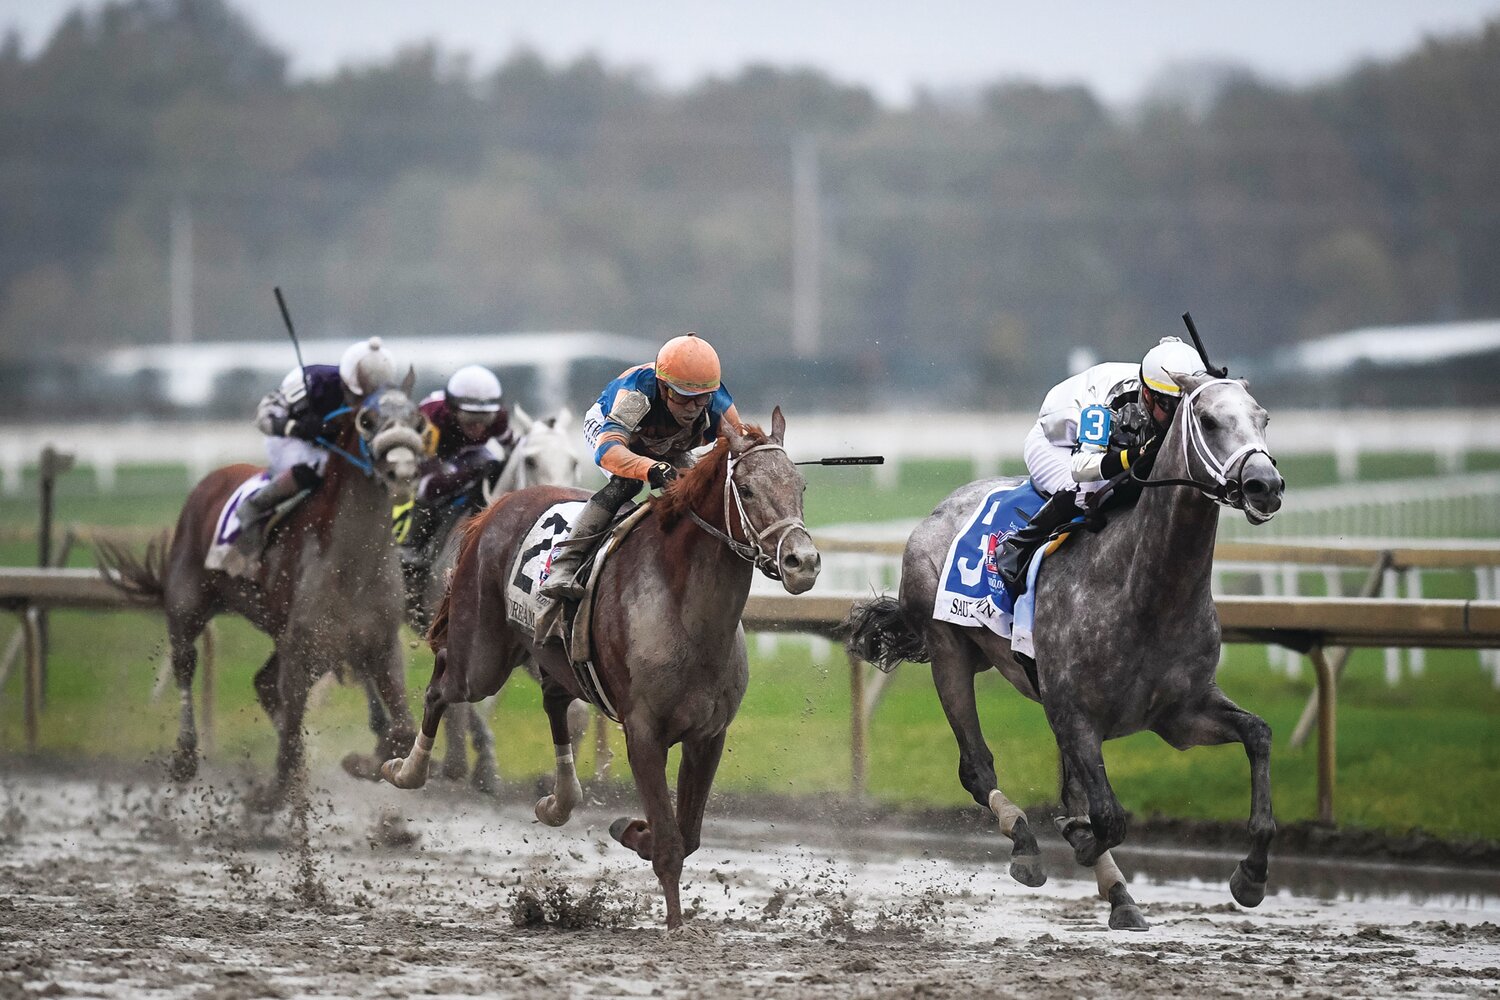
(689, 365)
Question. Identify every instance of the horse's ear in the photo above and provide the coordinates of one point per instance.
(410, 382)
(521, 419)
(778, 426)
(1190, 382)
(563, 420)
(733, 436)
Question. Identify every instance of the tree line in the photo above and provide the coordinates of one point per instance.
(964, 245)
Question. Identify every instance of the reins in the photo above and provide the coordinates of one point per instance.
(1228, 489)
(753, 550)
(363, 462)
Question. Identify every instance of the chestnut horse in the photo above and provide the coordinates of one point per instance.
(667, 639)
(328, 591)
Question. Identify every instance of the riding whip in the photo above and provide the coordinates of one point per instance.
(286, 317)
(846, 460)
(1187, 318)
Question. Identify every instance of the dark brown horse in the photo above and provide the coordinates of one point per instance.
(328, 590)
(666, 632)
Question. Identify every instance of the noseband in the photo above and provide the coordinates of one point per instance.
(754, 549)
(1228, 473)
(365, 461)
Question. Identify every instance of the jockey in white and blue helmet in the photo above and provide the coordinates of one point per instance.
(1092, 427)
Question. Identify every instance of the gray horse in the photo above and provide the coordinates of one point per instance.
(1126, 638)
(543, 456)
(328, 591)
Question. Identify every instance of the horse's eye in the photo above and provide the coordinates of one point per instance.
(746, 491)
(366, 421)
(1209, 424)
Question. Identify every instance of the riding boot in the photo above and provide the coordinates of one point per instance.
(255, 511)
(1013, 557)
(592, 522)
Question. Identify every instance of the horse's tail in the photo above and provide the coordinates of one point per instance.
(876, 631)
(141, 578)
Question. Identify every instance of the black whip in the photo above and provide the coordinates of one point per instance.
(286, 317)
(846, 460)
(1187, 318)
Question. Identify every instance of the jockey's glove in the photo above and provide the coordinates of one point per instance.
(1120, 459)
(660, 474)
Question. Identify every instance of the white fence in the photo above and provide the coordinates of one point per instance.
(983, 439)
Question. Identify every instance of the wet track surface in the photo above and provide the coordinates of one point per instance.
(114, 889)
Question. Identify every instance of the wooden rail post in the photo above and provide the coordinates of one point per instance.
(1340, 655)
(1327, 733)
(857, 753)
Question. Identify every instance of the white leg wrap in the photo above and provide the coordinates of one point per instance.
(1107, 874)
(555, 809)
(1006, 811)
(410, 771)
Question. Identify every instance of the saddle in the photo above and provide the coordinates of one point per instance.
(571, 623)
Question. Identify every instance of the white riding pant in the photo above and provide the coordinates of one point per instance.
(285, 452)
(1051, 466)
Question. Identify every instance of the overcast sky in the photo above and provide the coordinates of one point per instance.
(1116, 48)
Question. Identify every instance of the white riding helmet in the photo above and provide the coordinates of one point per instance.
(473, 389)
(1164, 362)
(366, 366)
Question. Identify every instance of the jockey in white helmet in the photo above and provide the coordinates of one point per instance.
(1092, 427)
(295, 420)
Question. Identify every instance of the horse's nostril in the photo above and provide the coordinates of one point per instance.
(1257, 487)
(792, 562)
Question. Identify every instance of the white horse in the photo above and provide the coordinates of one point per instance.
(544, 455)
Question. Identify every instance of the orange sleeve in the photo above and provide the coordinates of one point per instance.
(619, 460)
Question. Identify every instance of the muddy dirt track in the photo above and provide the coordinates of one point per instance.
(113, 889)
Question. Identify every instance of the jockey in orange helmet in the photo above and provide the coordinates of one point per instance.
(642, 430)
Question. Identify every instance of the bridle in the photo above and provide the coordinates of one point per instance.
(755, 548)
(367, 458)
(1228, 473)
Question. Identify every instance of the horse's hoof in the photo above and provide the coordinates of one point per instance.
(1128, 918)
(1124, 915)
(1246, 891)
(391, 772)
(548, 812)
(634, 834)
(361, 766)
(1028, 870)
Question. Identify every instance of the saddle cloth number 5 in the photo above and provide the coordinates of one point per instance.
(1093, 427)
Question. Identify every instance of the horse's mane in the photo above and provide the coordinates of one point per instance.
(703, 484)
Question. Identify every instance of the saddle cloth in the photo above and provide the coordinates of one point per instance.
(540, 616)
(970, 591)
(227, 528)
